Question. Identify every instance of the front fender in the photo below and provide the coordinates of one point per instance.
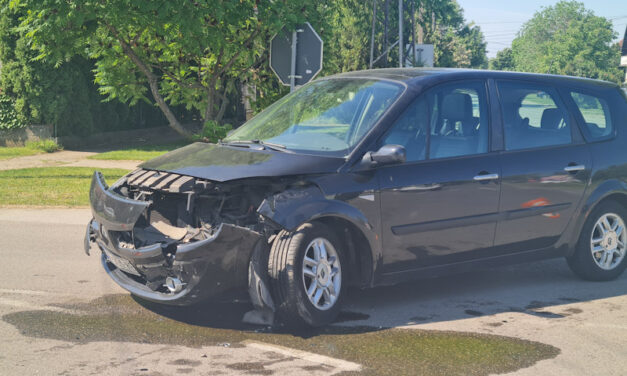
(293, 207)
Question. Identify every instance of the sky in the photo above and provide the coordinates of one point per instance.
(501, 20)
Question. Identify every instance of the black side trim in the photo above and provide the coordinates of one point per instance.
(477, 219)
(536, 210)
(445, 223)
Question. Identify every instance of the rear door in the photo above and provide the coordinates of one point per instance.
(545, 167)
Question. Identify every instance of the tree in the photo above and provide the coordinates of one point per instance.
(441, 23)
(192, 53)
(42, 94)
(567, 39)
(504, 60)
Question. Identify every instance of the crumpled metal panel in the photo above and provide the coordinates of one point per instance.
(114, 212)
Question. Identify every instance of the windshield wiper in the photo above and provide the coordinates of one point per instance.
(268, 145)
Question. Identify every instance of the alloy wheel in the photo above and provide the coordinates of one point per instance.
(322, 274)
(608, 241)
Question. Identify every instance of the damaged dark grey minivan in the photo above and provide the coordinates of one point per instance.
(371, 178)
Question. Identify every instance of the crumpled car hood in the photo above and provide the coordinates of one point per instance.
(223, 163)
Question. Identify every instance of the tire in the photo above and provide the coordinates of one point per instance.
(610, 259)
(290, 275)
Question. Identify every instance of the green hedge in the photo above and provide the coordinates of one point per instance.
(8, 116)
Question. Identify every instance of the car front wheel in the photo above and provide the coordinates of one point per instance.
(305, 269)
(600, 253)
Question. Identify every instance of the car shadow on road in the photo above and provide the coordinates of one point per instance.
(540, 289)
(545, 289)
(228, 315)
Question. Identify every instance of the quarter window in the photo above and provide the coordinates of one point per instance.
(532, 116)
(595, 112)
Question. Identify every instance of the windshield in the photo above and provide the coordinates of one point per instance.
(326, 116)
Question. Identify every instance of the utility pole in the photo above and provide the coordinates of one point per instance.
(401, 46)
(374, 20)
(385, 33)
(413, 34)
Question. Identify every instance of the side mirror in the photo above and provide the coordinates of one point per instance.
(387, 154)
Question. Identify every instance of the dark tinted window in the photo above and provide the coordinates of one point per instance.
(410, 130)
(596, 115)
(459, 122)
(455, 116)
(532, 116)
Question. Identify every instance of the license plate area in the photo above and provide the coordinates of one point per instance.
(122, 264)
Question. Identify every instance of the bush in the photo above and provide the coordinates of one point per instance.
(47, 145)
(8, 115)
(212, 132)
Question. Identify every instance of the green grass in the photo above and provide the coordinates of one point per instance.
(139, 153)
(13, 152)
(31, 148)
(50, 186)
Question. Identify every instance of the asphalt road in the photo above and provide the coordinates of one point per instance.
(43, 267)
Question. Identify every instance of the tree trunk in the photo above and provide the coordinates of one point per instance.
(153, 82)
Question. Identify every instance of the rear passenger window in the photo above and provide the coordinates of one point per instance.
(596, 115)
(532, 116)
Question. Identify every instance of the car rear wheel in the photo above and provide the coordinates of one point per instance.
(602, 246)
(305, 269)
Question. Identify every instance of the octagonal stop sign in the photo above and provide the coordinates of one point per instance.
(296, 53)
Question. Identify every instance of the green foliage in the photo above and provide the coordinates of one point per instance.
(194, 55)
(46, 145)
(568, 39)
(457, 44)
(8, 115)
(212, 132)
(190, 53)
(43, 93)
(504, 60)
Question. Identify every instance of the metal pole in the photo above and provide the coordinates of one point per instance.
(413, 34)
(385, 32)
(293, 66)
(400, 33)
(374, 17)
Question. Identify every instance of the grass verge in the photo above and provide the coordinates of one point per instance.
(13, 152)
(31, 148)
(139, 153)
(50, 186)
(381, 351)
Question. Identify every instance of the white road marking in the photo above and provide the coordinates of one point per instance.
(342, 365)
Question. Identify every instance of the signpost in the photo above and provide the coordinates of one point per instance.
(296, 56)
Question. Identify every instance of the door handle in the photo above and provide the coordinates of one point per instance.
(484, 177)
(574, 168)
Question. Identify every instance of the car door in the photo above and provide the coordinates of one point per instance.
(440, 206)
(545, 167)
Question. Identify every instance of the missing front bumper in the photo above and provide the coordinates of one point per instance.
(206, 268)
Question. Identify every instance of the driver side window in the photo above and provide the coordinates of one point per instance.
(410, 130)
(449, 121)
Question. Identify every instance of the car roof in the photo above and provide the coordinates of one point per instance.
(421, 75)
